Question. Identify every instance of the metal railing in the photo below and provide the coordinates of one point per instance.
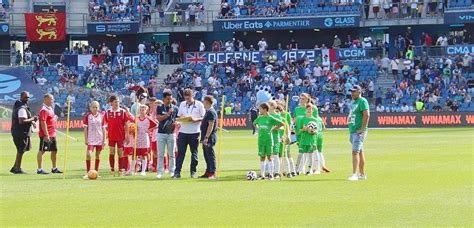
(73, 20)
(443, 51)
(400, 10)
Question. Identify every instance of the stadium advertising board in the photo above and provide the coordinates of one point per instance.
(4, 29)
(112, 28)
(459, 17)
(349, 53)
(459, 49)
(286, 23)
(251, 56)
(377, 120)
(135, 59)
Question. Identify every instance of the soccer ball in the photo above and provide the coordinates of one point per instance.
(251, 175)
(313, 127)
(92, 174)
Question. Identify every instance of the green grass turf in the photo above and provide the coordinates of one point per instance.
(417, 177)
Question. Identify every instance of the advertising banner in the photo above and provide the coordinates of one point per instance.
(458, 17)
(97, 28)
(284, 23)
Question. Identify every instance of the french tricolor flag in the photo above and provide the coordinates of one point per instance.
(331, 53)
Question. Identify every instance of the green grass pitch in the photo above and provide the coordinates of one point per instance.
(417, 177)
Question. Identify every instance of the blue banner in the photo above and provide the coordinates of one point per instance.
(4, 29)
(459, 17)
(113, 28)
(15, 80)
(459, 49)
(282, 23)
(132, 60)
(351, 53)
(252, 56)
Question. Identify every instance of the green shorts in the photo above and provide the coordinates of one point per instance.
(276, 149)
(264, 150)
(306, 148)
(319, 143)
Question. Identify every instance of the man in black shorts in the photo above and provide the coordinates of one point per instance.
(47, 134)
(22, 120)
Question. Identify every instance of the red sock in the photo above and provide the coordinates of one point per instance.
(97, 162)
(112, 162)
(88, 165)
(155, 162)
(120, 163)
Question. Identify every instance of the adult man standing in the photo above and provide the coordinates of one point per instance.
(47, 134)
(358, 121)
(253, 113)
(209, 138)
(193, 111)
(22, 120)
(166, 116)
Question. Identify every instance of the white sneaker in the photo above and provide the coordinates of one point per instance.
(143, 173)
(159, 176)
(85, 177)
(317, 172)
(362, 177)
(353, 177)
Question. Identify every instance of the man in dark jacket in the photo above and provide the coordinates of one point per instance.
(22, 121)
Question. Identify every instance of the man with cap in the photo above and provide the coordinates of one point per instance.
(22, 120)
(358, 120)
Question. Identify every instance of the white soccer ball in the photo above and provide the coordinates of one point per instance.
(251, 175)
(313, 126)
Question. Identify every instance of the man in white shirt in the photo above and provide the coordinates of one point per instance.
(262, 45)
(197, 82)
(380, 108)
(175, 50)
(202, 46)
(191, 113)
(41, 80)
(141, 48)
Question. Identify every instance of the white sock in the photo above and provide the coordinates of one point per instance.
(270, 170)
(144, 162)
(132, 166)
(276, 163)
(299, 162)
(292, 165)
(318, 161)
(268, 166)
(288, 165)
(262, 168)
(309, 159)
(323, 161)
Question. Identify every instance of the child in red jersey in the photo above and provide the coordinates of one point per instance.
(116, 119)
(94, 134)
(144, 125)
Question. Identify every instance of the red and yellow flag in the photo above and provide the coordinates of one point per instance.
(45, 26)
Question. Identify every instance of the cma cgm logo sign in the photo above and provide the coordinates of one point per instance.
(460, 50)
(339, 21)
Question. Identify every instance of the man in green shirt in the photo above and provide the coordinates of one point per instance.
(358, 120)
(266, 124)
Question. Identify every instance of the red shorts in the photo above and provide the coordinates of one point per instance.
(143, 151)
(113, 142)
(127, 151)
(97, 148)
(153, 146)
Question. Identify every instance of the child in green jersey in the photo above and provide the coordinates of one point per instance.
(307, 140)
(320, 161)
(266, 124)
(285, 152)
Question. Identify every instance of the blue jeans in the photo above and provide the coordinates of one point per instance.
(183, 141)
(166, 140)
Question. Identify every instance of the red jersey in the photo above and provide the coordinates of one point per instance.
(47, 114)
(116, 121)
(94, 125)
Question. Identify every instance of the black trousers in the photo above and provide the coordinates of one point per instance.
(183, 141)
(210, 157)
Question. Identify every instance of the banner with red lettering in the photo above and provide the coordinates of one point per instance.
(45, 27)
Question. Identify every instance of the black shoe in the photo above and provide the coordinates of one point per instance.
(289, 175)
(277, 175)
(176, 176)
(293, 174)
(56, 170)
(21, 172)
(13, 170)
(41, 171)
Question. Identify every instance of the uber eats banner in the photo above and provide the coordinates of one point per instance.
(282, 23)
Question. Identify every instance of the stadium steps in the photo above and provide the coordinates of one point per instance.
(166, 69)
(212, 5)
(384, 82)
(21, 6)
(78, 16)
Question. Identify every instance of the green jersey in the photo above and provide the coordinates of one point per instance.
(287, 119)
(300, 112)
(307, 139)
(277, 134)
(321, 126)
(265, 125)
(355, 115)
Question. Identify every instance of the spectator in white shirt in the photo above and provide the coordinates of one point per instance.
(141, 48)
(262, 45)
(202, 46)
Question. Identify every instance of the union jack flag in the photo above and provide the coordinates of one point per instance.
(196, 57)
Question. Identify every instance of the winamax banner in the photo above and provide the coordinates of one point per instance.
(377, 120)
(45, 26)
(459, 17)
